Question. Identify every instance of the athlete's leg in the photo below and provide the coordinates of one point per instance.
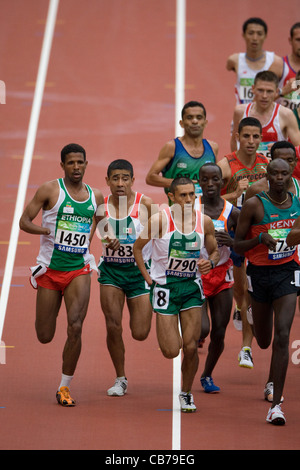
(140, 311)
(48, 303)
(240, 292)
(220, 307)
(190, 321)
(168, 335)
(76, 296)
(284, 311)
(112, 303)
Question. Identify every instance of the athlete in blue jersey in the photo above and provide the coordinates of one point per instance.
(184, 156)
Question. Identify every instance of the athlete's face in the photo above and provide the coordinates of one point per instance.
(279, 175)
(193, 121)
(264, 93)
(184, 195)
(254, 37)
(295, 42)
(210, 181)
(249, 139)
(288, 155)
(74, 166)
(120, 182)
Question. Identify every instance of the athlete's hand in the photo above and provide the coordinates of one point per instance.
(112, 243)
(269, 241)
(204, 266)
(242, 186)
(223, 238)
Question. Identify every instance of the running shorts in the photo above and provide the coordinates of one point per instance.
(130, 279)
(218, 279)
(174, 297)
(57, 280)
(268, 283)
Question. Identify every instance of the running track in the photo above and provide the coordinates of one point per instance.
(110, 86)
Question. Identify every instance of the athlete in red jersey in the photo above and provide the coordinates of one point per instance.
(239, 170)
(286, 69)
(273, 273)
(263, 108)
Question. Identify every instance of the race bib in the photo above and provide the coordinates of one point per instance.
(281, 249)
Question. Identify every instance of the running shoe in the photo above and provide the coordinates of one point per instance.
(245, 358)
(237, 319)
(269, 391)
(276, 416)
(119, 388)
(187, 404)
(249, 315)
(208, 385)
(63, 397)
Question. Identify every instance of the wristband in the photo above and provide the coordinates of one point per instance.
(259, 237)
(212, 264)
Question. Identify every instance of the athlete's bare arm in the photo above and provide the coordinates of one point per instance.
(44, 198)
(154, 177)
(211, 246)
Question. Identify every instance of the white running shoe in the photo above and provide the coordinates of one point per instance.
(119, 388)
(276, 416)
(269, 391)
(245, 358)
(187, 404)
(237, 319)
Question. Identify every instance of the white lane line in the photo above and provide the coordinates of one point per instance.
(180, 96)
(31, 137)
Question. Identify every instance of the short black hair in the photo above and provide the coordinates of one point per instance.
(282, 144)
(249, 121)
(120, 164)
(178, 181)
(267, 76)
(295, 26)
(255, 21)
(71, 148)
(214, 165)
(192, 104)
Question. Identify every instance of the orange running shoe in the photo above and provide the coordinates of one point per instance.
(63, 397)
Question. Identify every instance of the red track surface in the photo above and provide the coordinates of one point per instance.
(110, 87)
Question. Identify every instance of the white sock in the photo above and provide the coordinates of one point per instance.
(65, 381)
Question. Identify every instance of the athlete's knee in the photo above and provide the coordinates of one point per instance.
(74, 330)
(113, 326)
(170, 351)
(44, 336)
(281, 339)
(190, 348)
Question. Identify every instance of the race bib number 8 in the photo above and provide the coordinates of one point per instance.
(161, 298)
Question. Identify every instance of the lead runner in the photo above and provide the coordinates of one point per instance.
(64, 262)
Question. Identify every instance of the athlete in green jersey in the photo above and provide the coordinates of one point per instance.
(119, 277)
(178, 233)
(184, 156)
(68, 206)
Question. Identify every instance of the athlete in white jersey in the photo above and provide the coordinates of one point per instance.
(178, 234)
(245, 77)
(247, 64)
(68, 207)
(218, 283)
